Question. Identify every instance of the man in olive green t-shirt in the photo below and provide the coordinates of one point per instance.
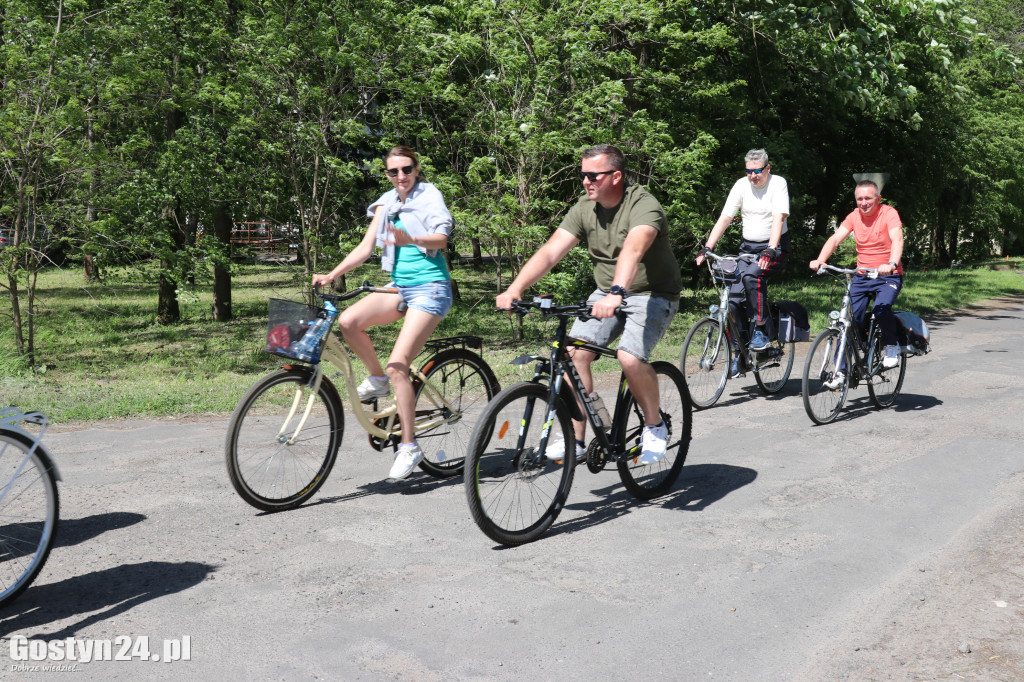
(637, 278)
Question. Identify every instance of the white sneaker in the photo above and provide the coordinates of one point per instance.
(653, 443)
(556, 452)
(406, 459)
(373, 387)
(837, 381)
(892, 357)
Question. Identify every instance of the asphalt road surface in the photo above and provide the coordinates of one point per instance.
(887, 545)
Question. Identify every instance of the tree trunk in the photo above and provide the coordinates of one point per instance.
(478, 257)
(221, 272)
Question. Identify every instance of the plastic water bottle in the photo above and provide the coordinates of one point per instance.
(602, 411)
(308, 347)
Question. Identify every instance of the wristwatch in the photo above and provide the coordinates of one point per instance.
(894, 264)
(616, 289)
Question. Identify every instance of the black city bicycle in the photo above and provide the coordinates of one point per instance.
(522, 454)
(840, 359)
(709, 345)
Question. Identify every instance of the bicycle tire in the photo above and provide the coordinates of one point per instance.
(513, 497)
(265, 470)
(772, 375)
(821, 403)
(648, 481)
(28, 519)
(705, 362)
(468, 384)
(885, 383)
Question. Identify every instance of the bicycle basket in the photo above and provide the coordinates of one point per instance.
(297, 331)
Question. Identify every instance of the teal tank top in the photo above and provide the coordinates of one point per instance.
(413, 267)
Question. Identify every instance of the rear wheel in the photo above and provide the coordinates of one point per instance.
(884, 383)
(705, 362)
(773, 367)
(647, 481)
(466, 384)
(514, 492)
(821, 400)
(270, 467)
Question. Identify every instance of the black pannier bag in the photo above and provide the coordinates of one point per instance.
(791, 321)
(914, 335)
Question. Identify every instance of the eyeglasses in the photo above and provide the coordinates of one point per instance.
(757, 171)
(592, 175)
(393, 172)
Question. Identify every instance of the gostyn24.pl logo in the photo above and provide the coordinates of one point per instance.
(73, 650)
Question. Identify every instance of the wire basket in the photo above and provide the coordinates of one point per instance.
(296, 330)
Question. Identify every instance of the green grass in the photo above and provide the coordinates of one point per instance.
(101, 355)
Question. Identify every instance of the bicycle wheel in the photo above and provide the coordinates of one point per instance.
(705, 362)
(823, 403)
(772, 369)
(467, 384)
(514, 493)
(29, 513)
(885, 383)
(268, 471)
(647, 481)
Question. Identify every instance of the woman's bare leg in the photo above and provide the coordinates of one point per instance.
(416, 329)
(370, 311)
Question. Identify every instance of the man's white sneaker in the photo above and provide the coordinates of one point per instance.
(837, 381)
(373, 387)
(406, 459)
(892, 357)
(556, 452)
(653, 443)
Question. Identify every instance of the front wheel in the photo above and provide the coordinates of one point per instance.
(884, 383)
(647, 481)
(773, 367)
(823, 395)
(271, 466)
(460, 386)
(705, 362)
(514, 491)
(29, 511)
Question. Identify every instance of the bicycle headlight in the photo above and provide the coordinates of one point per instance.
(834, 315)
(713, 308)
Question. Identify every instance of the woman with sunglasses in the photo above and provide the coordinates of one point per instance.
(411, 223)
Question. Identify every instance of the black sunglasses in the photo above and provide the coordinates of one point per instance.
(393, 172)
(592, 175)
(757, 171)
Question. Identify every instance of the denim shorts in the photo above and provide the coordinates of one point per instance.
(641, 320)
(433, 297)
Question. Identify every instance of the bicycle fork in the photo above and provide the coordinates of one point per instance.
(314, 386)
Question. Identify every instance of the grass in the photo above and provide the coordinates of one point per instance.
(100, 353)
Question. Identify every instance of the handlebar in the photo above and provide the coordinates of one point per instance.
(872, 273)
(544, 306)
(365, 288)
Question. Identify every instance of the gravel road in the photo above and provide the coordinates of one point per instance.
(888, 545)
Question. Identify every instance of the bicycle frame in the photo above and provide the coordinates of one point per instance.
(336, 353)
(555, 368)
(842, 320)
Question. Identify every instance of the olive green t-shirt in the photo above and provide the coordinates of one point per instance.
(604, 231)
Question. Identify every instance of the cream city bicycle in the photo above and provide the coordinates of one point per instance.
(284, 435)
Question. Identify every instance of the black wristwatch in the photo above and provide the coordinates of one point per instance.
(616, 289)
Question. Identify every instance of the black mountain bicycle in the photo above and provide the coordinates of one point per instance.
(515, 491)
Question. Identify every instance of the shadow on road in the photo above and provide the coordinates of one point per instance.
(699, 486)
(74, 531)
(97, 596)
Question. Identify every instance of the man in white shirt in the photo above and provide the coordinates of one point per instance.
(762, 199)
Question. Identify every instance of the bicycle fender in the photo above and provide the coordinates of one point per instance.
(44, 455)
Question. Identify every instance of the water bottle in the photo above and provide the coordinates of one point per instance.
(600, 409)
(308, 347)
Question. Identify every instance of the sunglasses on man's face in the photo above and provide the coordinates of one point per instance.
(393, 172)
(756, 171)
(593, 175)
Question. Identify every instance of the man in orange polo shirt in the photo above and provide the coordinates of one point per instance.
(878, 232)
